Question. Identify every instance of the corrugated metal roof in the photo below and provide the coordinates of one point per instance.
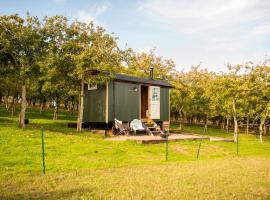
(148, 81)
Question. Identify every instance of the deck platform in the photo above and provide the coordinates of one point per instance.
(145, 139)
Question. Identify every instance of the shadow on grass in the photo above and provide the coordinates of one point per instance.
(34, 113)
(62, 128)
(48, 116)
(5, 120)
(60, 194)
(55, 126)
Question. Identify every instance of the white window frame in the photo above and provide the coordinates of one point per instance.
(94, 87)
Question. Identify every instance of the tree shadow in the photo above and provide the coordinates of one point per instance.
(5, 120)
(60, 194)
(54, 127)
(62, 128)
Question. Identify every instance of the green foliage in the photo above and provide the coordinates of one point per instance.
(139, 63)
(242, 93)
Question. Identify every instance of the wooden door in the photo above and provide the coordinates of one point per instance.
(154, 102)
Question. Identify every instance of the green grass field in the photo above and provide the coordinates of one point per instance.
(85, 166)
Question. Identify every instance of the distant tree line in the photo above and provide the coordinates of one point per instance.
(45, 62)
(238, 98)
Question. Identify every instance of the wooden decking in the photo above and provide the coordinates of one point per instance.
(145, 139)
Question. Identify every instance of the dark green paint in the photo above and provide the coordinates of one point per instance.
(95, 104)
(126, 101)
(123, 102)
(111, 109)
(164, 104)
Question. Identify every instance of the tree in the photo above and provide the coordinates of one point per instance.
(20, 39)
(179, 98)
(139, 64)
(58, 63)
(96, 50)
(260, 76)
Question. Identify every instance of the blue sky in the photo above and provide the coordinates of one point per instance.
(209, 32)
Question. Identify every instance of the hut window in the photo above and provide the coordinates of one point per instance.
(92, 87)
(155, 94)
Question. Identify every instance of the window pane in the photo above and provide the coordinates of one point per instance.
(155, 94)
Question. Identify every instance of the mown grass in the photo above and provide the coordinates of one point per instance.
(199, 129)
(88, 167)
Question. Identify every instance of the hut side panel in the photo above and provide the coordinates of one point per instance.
(164, 104)
(95, 105)
(126, 101)
(111, 109)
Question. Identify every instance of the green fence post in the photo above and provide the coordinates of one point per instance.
(199, 148)
(167, 148)
(43, 150)
(237, 143)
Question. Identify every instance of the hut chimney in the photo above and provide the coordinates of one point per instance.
(151, 73)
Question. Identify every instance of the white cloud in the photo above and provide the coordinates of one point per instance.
(84, 16)
(99, 10)
(202, 15)
(92, 14)
(219, 31)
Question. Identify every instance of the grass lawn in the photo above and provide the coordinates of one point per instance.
(85, 166)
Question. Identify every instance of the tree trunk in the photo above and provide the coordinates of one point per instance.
(55, 113)
(6, 101)
(41, 107)
(247, 126)
(13, 108)
(180, 120)
(222, 125)
(69, 107)
(23, 107)
(77, 104)
(261, 129)
(73, 106)
(81, 105)
(227, 124)
(206, 124)
(218, 123)
(66, 105)
(235, 123)
(264, 116)
(34, 102)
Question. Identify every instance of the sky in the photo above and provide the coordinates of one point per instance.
(211, 33)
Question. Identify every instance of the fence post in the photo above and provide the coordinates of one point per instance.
(43, 150)
(167, 147)
(199, 148)
(237, 143)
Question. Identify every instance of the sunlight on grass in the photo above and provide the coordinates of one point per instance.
(85, 165)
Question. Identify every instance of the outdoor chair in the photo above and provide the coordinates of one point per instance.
(119, 128)
(137, 126)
